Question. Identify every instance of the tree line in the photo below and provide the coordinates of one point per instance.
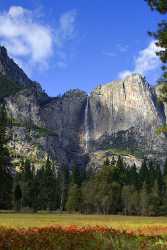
(120, 189)
(114, 189)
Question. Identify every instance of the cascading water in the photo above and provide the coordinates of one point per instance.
(86, 126)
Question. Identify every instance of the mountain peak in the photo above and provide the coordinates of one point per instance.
(10, 70)
(135, 77)
(129, 81)
(3, 52)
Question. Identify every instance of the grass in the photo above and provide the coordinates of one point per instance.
(27, 220)
(66, 232)
(125, 152)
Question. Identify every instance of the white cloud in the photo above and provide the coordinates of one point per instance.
(122, 48)
(16, 11)
(125, 73)
(147, 59)
(145, 62)
(28, 40)
(23, 36)
(119, 48)
(65, 32)
(66, 29)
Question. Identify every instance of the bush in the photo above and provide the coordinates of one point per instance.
(84, 238)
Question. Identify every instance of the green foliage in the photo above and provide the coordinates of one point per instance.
(159, 5)
(43, 132)
(79, 238)
(154, 200)
(75, 175)
(74, 198)
(118, 188)
(122, 151)
(163, 96)
(6, 169)
(144, 199)
(115, 188)
(162, 129)
(161, 41)
(17, 197)
(39, 188)
(8, 87)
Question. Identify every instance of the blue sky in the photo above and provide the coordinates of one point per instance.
(79, 43)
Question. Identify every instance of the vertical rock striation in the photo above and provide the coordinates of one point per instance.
(126, 114)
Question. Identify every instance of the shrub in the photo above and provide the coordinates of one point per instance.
(82, 238)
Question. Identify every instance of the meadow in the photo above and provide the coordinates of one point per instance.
(51, 231)
(26, 220)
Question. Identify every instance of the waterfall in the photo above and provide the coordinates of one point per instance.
(86, 125)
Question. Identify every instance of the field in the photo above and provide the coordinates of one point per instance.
(44, 231)
(26, 220)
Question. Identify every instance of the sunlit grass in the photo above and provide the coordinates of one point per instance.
(45, 219)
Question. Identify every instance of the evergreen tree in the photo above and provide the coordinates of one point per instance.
(6, 169)
(152, 173)
(102, 190)
(121, 168)
(163, 208)
(88, 204)
(154, 200)
(158, 177)
(74, 198)
(125, 197)
(27, 182)
(165, 168)
(133, 176)
(63, 185)
(159, 5)
(106, 191)
(51, 185)
(18, 197)
(134, 202)
(76, 175)
(161, 41)
(144, 173)
(116, 197)
(144, 200)
(46, 185)
(161, 36)
(130, 200)
(107, 162)
(113, 161)
(34, 192)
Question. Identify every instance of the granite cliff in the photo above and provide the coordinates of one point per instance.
(120, 117)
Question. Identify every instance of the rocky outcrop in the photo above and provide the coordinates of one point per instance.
(97, 158)
(120, 117)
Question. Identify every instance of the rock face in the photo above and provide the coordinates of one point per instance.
(64, 116)
(125, 114)
(10, 69)
(117, 118)
(47, 126)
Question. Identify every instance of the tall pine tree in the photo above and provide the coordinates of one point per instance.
(6, 179)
